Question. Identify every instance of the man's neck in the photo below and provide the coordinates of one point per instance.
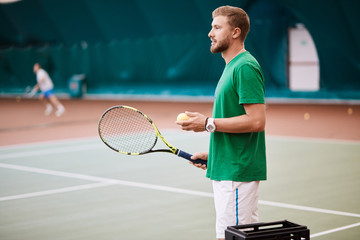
(232, 52)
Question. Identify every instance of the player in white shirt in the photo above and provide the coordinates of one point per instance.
(46, 86)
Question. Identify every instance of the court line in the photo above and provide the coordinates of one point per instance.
(56, 173)
(275, 137)
(97, 144)
(104, 182)
(49, 143)
(165, 188)
(335, 230)
(54, 191)
(108, 181)
(52, 151)
(45, 125)
(309, 209)
(178, 134)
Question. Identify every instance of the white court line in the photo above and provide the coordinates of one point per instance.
(54, 191)
(309, 209)
(72, 148)
(311, 139)
(164, 188)
(335, 230)
(57, 173)
(180, 134)
(52, 151)
(103, 182)
(108, 181)
(48, 143)
(85, 140)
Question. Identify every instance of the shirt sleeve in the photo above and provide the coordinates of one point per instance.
(249, 83)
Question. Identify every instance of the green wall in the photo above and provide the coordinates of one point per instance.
(124, 46)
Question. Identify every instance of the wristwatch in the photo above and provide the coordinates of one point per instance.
(210, 125)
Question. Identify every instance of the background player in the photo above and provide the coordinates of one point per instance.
(45, 84)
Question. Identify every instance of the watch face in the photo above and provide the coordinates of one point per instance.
(210, 128)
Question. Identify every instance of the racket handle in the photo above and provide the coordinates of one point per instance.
(188, 157)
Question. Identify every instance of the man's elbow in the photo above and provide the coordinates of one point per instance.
(259, 126)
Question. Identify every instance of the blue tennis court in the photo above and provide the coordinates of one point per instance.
(79, 189)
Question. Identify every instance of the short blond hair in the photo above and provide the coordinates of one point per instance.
(237, 18)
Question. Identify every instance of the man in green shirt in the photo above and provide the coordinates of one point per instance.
(236, 157)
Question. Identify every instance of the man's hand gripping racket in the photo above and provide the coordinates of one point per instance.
(128, 131)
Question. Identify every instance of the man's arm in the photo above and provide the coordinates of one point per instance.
(253, 121)
(34, 90)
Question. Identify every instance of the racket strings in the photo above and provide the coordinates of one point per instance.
(127, 130)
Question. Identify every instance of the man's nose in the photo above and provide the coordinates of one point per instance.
(210, 34)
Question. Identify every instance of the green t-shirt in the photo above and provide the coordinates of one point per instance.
(238, 156)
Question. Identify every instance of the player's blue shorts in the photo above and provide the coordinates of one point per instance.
(47, 94)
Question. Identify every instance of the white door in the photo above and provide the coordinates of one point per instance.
(304, 73)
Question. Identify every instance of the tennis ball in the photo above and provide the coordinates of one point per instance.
(182, 117)
(306, 116)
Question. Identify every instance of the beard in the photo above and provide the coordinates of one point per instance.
(220, 46)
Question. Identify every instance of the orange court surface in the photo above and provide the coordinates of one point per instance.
(23, 121)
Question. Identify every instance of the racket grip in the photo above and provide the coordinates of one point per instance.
(188, 157)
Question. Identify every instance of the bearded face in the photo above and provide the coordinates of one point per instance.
(220, 34)
(221, 45)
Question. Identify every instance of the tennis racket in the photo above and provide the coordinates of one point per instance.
(25, 94)
(128, 131)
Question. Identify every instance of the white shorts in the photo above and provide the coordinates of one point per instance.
(236, 203)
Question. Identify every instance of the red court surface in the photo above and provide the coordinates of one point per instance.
(24, 121)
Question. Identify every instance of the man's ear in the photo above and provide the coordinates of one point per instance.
(236, 33)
